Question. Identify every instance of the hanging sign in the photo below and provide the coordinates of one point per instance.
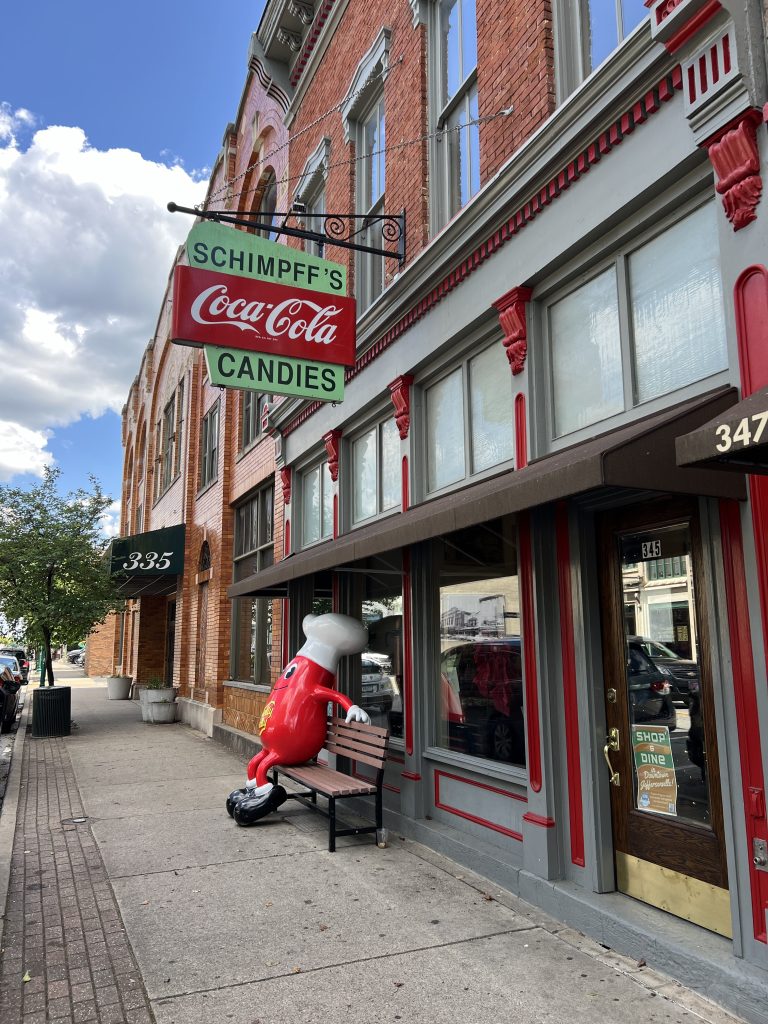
(259, 316)
(274, 374)
(655, 768)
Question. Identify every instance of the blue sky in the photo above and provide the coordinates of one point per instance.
(107, 111)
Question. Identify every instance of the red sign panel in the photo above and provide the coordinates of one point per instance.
(260, 316)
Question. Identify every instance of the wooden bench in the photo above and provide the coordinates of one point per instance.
(366, 744)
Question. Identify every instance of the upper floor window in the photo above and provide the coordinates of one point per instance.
(314, 220)
(607, 23)
(310, 194)
(209, 446)
(647, 324)
(168, 438)
(316, 504)
(376, 471)
(268, 203)
(253, 408)
(254, 523)
(370, 201)
(587, 32)
(458, 150)
(469, 419)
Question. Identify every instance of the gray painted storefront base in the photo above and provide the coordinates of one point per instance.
(693, 956)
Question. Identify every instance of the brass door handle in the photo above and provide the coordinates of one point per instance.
(612, 743)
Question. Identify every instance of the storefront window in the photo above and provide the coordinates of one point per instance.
(480, 699)
(382, 690)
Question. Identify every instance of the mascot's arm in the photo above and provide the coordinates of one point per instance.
(354, 713)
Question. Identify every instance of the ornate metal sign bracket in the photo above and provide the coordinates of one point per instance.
(338, 228)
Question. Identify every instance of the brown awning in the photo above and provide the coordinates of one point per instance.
(735, 439)
(639, 456)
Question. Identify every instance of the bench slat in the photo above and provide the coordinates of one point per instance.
(354, 737)
(355, 755)
(371, 730)
(327, 781)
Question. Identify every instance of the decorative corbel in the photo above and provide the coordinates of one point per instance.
(511, 309)
(400, 390)
(285, 480)
(735, 157)
(332, 443)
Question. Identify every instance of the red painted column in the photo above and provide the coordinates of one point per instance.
(751, 302)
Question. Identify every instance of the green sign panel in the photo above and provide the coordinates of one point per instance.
(226, 251)
(155, 553)
(275, 375)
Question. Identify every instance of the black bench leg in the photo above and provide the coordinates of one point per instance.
(331, 825)
(379, 814)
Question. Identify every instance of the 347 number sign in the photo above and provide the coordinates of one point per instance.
(743, 434)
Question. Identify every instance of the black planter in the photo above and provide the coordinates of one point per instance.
(52, 711)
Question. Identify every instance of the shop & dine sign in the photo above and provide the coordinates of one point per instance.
(269, 317)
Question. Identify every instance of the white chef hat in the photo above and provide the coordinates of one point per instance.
(330, 637)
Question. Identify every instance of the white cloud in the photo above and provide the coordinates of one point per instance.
(87, 248)
(110, 520)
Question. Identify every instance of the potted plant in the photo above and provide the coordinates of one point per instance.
(119, 687)
(158, 701)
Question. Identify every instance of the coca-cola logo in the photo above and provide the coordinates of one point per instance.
(293, 318)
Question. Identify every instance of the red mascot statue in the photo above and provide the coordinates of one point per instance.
(293, 724)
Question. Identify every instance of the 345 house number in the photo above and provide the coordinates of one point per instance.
(152, 560)
(743, 434)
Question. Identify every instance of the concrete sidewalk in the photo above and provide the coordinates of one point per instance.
(134, 898)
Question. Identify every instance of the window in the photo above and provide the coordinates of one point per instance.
(381, 609)
(469, 419)
(480, 680)
(317, 504)
(209, 446)
(586, 33)
(268, 188)
(370, 201)
(310, 193)
(650, 323)
(253, 408)
(376, 471)
(168, 437)
(252, 620)
(314, 221)
(457, 152)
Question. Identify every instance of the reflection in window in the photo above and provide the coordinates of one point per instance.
(480, 699)
(317, 504)
(382, 691)
(376, 471)
(654, 317)
(458, 115)
(608, 22)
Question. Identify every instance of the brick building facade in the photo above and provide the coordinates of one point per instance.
(526, 492)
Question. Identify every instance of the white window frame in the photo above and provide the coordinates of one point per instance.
(168, 439)
(376, 424)
(616, 248)
(458, 359)
(210, 428)
(324, 481)
(310, 194)
(441, 108)
(362, 99)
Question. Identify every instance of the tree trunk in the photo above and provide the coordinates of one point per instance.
(48, 656)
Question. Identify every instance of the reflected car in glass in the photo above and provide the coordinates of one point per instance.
(378, 691)
(682, 674)
(482, 699)
(649, 691)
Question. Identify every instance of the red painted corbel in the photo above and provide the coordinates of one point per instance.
(285, 480)
(735, 157)
(400, 390)
(332, 440)
(511, 309)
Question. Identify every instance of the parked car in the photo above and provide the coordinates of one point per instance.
(9, 698)
(683, 675)
(482, 697)
(378, 692)
(10, 662)
(21, 656)
(74, 655)
(650, 694)
(80, 659)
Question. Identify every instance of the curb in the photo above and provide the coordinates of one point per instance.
(10, 811)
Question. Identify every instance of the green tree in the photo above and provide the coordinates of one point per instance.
(54, 579)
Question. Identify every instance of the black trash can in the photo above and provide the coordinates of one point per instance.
(52, 711)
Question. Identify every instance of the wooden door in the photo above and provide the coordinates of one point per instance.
(662, 744)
